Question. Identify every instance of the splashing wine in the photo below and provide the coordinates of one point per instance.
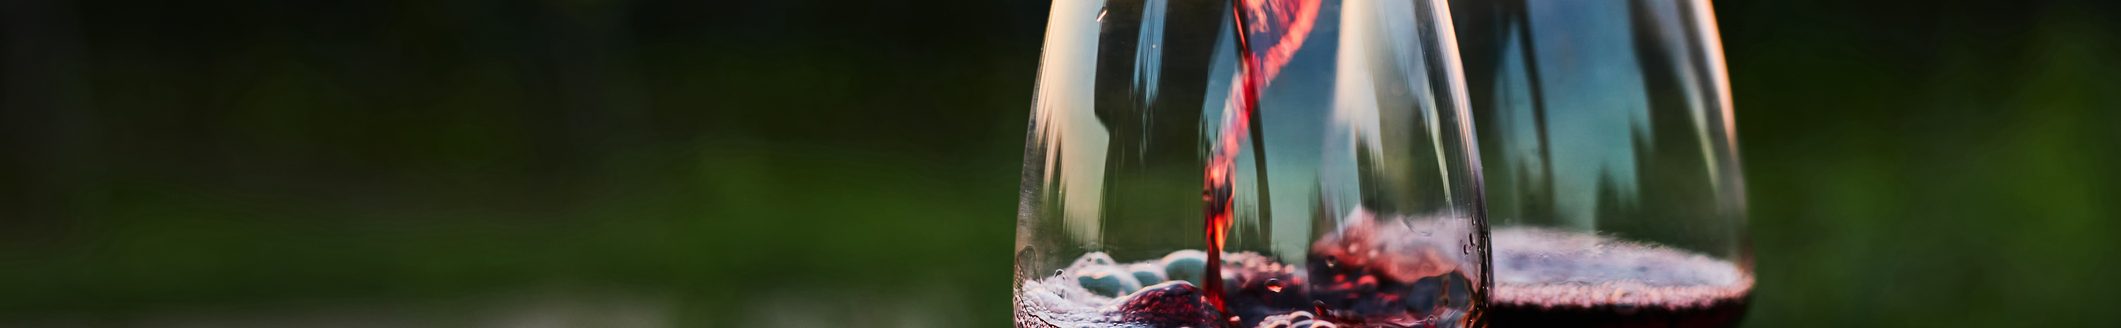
(1294, 20)
(1373, 272)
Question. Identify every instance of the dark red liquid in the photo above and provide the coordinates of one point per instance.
(1392, 272)
(1549, 278)
(1397, 273)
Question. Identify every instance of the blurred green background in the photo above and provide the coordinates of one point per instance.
(815, 164)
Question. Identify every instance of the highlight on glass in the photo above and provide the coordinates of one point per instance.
(1254, 163)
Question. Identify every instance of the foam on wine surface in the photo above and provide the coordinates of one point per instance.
(1397, 272)
(1551, 277)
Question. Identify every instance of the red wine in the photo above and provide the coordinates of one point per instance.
(1549, 278)
(1288, 22)
(1396, 272)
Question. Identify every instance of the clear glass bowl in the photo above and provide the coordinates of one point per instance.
(1316, 167)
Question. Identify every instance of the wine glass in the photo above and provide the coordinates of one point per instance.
(1251, 163)
(1613, 174)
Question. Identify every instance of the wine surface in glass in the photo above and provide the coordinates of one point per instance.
(1392, 272)
(1548, 278)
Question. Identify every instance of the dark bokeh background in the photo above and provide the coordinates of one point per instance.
(814, 163)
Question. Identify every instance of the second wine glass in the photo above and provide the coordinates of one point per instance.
(1613, 169)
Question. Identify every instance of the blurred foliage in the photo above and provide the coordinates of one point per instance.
(1938, 163)
(750, 163)
(810, 163)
